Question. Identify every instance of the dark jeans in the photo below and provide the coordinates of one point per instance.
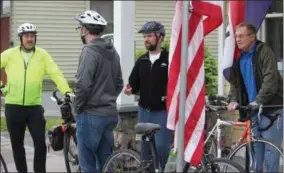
(162, 137)
(95, 138)
(265, 153)
(17, 118)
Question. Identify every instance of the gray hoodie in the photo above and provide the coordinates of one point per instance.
(98, 80)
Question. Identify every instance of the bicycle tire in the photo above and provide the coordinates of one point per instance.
(224, 161)
(118, 153)
(260, 140)
(66, 144)
(3, 164)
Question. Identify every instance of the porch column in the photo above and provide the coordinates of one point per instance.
(124, 41)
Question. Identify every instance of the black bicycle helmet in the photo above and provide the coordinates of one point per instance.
(153, 26)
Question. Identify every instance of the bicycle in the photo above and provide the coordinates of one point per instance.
(3, 166)
(68, 128)
(213, 142)
(121, 158)
(247, 134)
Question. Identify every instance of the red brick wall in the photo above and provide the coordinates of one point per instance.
(5, 40)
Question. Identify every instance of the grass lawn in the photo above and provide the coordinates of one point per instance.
(49, 123)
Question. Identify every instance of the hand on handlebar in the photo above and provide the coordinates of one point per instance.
(253, 106)
(232, 106)
(71, 96)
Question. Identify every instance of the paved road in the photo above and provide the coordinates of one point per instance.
(52, 109)
(54, 162)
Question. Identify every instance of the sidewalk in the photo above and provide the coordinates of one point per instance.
(54, 162)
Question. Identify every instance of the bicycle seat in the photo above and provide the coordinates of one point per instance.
(141, 128)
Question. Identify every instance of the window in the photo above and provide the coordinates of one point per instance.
(5, 7)
(276, 6)
(274, 35)
(272, 29)
(104, 8)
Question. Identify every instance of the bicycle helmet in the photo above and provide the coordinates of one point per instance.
(153, 26)
(25, 28)
(91, 17)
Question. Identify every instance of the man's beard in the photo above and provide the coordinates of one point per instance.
(83, 39)
(151, 47)
(29, 49)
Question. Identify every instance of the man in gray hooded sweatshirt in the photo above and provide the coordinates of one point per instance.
(98, 84)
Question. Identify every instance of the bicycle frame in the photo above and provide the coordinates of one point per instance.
(66, 125)
(217, 128)
(246, 134)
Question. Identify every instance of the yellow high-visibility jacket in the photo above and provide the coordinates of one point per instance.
(24, 82)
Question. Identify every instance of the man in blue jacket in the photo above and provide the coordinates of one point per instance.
(255, 80)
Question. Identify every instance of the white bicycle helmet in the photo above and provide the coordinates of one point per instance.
(91, 17)
(26, 27)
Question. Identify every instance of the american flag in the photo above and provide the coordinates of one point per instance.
(195, 90)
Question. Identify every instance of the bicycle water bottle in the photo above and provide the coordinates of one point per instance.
(171, 163)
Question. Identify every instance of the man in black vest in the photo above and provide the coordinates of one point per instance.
(149, 77)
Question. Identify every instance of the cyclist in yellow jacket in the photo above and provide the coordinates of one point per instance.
(26, 66)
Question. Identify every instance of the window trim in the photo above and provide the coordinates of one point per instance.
(273, 15)
(262, 31)
(109, 22)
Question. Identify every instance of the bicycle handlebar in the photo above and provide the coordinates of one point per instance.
(222, 106)
(60, 101)
(216, 103)
(65, 107)
(217, 98)
(245, 108)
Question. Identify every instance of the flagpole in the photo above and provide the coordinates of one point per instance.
(221, 38)
(283, 75)
(183, 81)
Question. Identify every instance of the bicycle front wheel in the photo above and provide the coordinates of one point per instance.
(70, 152)
(123, 160)
(239, 153)
(3, 166)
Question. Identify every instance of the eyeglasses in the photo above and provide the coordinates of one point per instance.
(78, 29)
(26, 36)
(241, 36)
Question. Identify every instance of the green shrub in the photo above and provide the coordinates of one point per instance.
(211, 68)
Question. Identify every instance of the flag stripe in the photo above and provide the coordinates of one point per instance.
(195, 53)
(196, 131)
(175, 69)
(174, 79)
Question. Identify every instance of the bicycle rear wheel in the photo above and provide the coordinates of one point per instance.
(239, 153)
(218, 165)
(123, 160)
(3, 166)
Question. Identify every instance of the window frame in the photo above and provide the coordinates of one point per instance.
(109, 19)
